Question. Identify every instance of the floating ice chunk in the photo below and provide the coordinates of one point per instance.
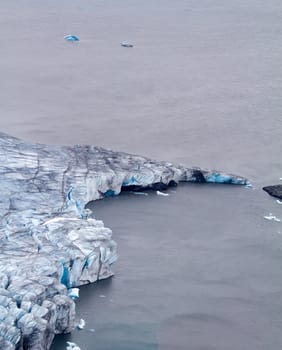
(71, 37)
(159, 193)
(102, 296)
(272, 217)
(278, 201)
(280, 178)
(249, 185)
(72, 346)
(126, 44)
(73, 293)
(81, 324)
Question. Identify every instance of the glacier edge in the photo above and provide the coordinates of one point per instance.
(49, 241)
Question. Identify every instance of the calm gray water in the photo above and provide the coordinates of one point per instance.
(200, 269)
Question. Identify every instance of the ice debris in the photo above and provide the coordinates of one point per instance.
(159, 193)
(71, 37)
(48, 236)
(126, 44)
(72, 346)
(272, 217)
(278, 201)
(81, 324)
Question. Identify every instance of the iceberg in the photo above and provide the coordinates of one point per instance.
(126, 44)
(50, 243)
(71, 38)
(272, 217)
(72, 346)
(81, 324)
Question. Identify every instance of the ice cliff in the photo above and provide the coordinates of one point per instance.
(48, 240)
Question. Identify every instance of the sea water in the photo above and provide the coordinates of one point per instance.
(201, 268)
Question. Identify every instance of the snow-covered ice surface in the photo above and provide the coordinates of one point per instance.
(49, 242)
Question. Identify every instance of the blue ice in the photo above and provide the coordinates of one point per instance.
(71, 38)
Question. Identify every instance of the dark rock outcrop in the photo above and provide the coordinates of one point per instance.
(274, 190)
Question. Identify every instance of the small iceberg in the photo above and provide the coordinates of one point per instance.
(81, 324)
(72, 346)
(159, 193)
(126, 44)
(272, 217)
(71, 37)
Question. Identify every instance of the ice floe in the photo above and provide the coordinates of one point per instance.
(159, 193)
(72, 346)
(272, 217)
(81, 324)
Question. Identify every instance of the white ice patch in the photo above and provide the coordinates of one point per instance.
(278, 201)
(58, 219)
(81, 324)
(72, 346)
(73, 293)
(272, 217)
(159, 193)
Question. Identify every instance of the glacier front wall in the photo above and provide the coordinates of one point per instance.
(48, 240)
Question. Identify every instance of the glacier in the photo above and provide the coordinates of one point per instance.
(50, 242)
